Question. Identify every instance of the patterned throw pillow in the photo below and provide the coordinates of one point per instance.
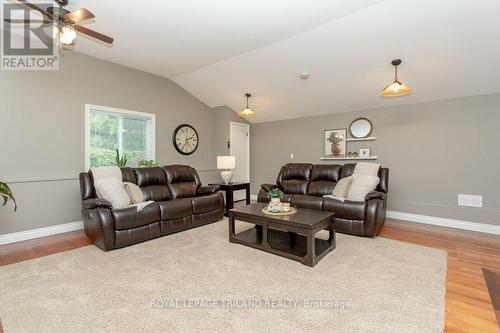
(134, 192)
(342, 187)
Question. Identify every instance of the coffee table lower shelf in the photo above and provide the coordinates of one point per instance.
(280, 242)
(284, 243)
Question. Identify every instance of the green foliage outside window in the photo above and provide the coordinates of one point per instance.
(105, 135)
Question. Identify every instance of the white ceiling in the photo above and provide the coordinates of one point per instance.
(450, 48)
(172, 37)
(220, 49)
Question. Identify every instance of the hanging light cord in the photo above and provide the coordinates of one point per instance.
(396, 73)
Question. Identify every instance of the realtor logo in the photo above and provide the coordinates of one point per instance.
(27, 40)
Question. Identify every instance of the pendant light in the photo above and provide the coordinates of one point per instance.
(396, 88)
(247, 112)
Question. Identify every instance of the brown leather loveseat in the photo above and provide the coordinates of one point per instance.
(305, 184)
(180, 203)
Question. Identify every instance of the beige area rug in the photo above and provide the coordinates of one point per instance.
(196, 281)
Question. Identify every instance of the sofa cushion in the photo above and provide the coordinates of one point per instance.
(153, 183)
(209, 189)
(128, 175)
(351, 210)
(205, 203)
(176, 208)
(129, 217)
(324, 177)
(347, 170)
(307, 201)
(294, 178)
(183, 181)
(156, 193)
(150, 176)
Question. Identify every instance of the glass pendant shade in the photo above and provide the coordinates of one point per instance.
(247, 112)
(396, 88)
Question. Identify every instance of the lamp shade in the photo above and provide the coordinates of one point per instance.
(247, 113)
(396, 89)
(226, 162)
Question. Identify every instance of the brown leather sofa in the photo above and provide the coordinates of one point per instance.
(180, 203)
(305, 184)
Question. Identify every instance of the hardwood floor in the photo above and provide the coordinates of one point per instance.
(468, 303)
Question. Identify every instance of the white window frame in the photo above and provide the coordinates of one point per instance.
(89, 107)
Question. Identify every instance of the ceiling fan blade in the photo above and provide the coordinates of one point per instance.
(94, 34)
(13, 21)
(34, 7)
(79, 15)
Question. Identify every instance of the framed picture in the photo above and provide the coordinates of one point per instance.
(364, 152)
(334, 143)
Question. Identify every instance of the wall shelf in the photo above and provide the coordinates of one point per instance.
(371, 138)
(349, 158)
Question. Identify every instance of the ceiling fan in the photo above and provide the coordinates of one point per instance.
(65, 23)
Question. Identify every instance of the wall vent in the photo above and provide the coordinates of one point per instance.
(468, 200)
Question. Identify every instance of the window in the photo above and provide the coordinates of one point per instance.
(108, 129)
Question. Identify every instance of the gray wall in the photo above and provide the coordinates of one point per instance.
(42, 132)
(434, 151)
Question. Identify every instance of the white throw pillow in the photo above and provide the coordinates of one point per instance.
(366, 168)
(114, 191)
(342, 188)
(134, 192)
(362, 185)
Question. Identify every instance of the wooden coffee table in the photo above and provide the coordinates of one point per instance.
(291, 236)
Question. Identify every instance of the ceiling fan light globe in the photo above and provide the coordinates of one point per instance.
(68, 35)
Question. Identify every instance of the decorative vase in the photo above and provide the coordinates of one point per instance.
(275, 201)
(226, 176)
(336, 149)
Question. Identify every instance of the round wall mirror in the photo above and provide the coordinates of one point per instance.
(361, 128)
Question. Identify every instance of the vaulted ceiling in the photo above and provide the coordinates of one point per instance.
(220, 49)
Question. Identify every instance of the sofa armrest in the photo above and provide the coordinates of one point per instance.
(376, 195)
(206, 190)
(96, 202)
(268, 187)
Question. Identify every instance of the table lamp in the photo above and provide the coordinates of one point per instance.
(226, 163)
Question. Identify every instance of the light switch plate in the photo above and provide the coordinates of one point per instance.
(292, 156)
(469, 200)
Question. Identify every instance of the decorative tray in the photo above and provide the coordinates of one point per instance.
(293, 210)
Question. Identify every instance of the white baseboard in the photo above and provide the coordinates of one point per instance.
(444, 222)
(253, 197)
(41, 232)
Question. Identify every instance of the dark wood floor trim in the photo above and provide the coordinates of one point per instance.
(493, 284)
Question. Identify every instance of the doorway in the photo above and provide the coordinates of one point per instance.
(239, 137)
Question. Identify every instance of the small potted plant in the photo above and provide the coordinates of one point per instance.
(6, 195)
(275, 195)
(147, 164)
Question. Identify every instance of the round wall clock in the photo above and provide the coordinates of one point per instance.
(185, 139)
